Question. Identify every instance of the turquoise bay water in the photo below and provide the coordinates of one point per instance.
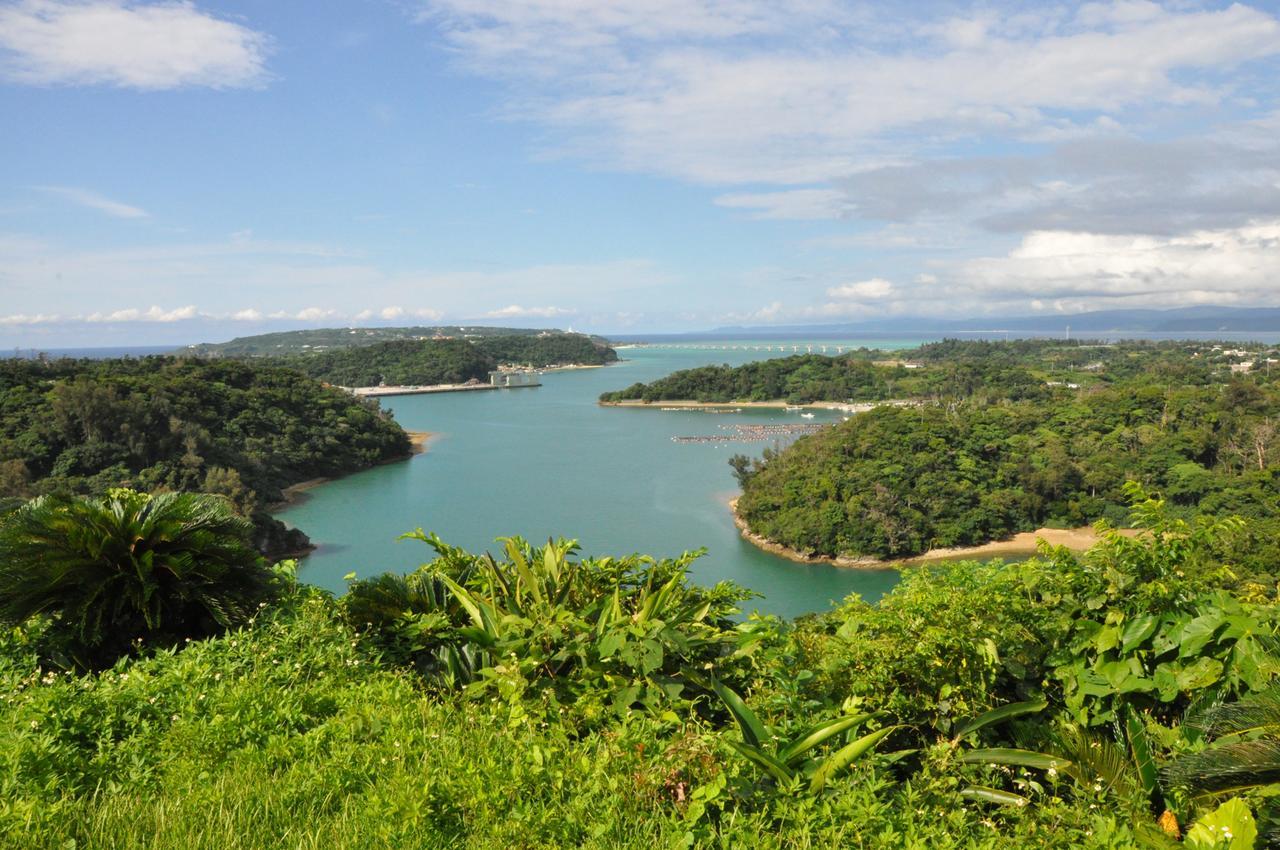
(550, 462)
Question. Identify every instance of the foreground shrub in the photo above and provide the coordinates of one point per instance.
(126, 570)
(594, 634)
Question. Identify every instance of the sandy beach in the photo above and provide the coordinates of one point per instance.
(1025, 543)
(419, 440)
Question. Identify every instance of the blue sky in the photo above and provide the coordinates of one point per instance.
(175, 172)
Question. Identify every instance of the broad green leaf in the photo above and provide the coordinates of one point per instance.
(991, 795)
(1140, 749)
(763, 760)
(610, 643)
(999, 715)
(753, 731)
(1108, 637)
(1137, 631)
(1228, 827)
(1202, 674)
(846, 756)
(1166, 680)
(465, 599)
(1015, 758)
(820, 733)
(1199, 632)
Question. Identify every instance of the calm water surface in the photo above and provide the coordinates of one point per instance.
(549, 462)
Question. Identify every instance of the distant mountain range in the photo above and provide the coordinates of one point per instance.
(1199, 320)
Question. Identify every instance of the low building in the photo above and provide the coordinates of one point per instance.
(515, 378)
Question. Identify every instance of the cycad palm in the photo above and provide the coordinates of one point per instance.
(126, 566)
(1247, 749)
(1245, 756)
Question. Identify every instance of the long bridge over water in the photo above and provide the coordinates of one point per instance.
(794, 348)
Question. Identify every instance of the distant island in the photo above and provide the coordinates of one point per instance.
(325, 339)
(372, 357)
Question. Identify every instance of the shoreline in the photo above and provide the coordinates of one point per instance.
(571, 367)
(421, 389)
(1022, 543)
(294, 494)
(845, 407)
(382, 392)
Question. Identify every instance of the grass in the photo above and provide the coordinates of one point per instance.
(291, 734)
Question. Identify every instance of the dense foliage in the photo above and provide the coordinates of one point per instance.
(447, 361)
(242, 430)
(956, 713)
(402, 363)
(898, 480)
(126, 569)
(1021, 369)
(629, 630)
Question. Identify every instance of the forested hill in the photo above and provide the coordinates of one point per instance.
(324, 339)
(238, 429)
(895, 482)
(1015, 370)
(447, 361)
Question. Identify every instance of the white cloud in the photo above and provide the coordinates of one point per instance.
(34, 319)
(309, 314)
(248, 315)
(153, 314)
(391, 312)
(833, 90)
(875, 289)
(1089, 271)
(94, 201)
(515, 311)
(795, 204)
(150, 46)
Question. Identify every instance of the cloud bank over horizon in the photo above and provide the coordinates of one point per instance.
(789, 161)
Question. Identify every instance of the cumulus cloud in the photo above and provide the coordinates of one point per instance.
(1089, 270)
(148, 46)
(29, 319)
(515, 311)
(247, 315)
(153, 314)
(94, 201)
(864, 290)
(308, 314)
(392, 313)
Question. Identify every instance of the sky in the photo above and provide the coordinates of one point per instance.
(193, 171)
